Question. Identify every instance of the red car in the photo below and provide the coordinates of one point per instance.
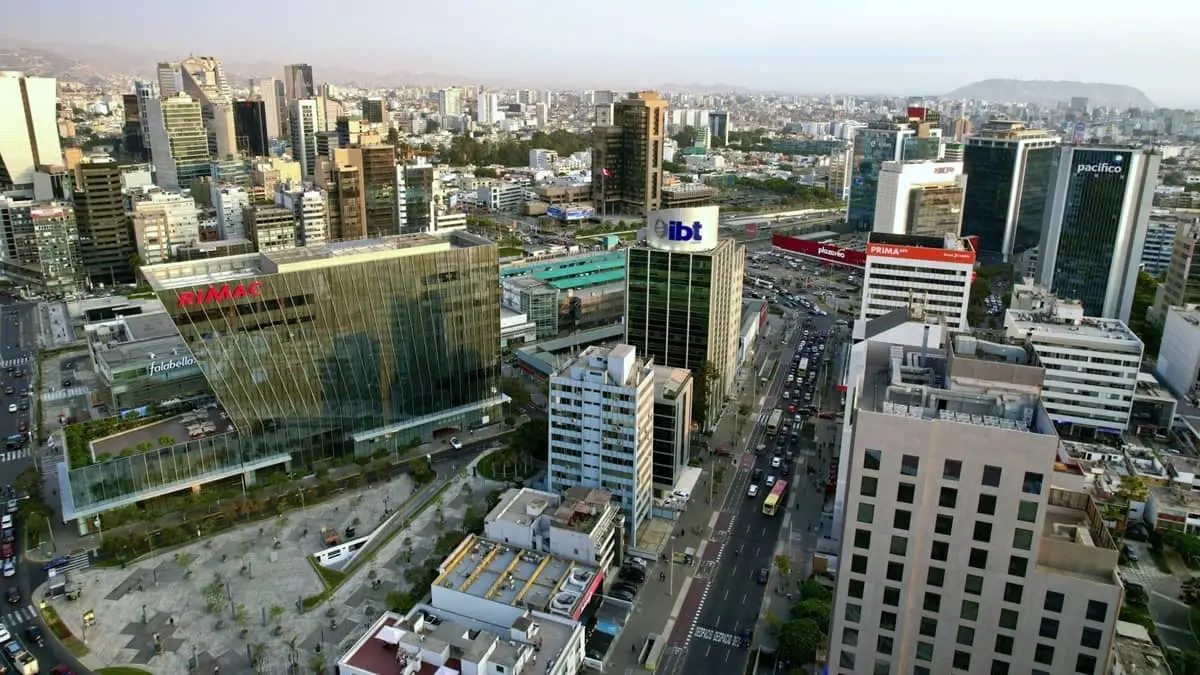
(6, 551)
(61, 670)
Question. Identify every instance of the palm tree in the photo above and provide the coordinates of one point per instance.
(318, 664)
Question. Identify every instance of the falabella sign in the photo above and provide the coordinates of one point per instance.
(219, 293)
(163, 366)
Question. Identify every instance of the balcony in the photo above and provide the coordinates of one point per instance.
(1075, 540)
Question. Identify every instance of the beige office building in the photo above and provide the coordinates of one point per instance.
(178, 141)
(627, 156)
(958, 554)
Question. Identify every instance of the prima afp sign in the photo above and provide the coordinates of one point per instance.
(684, 230)
(160, 367)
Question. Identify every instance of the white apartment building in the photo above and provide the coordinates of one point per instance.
(920, 197)
(162, 222)
(487, 108)
(502, 196)
(1178, 364)
(230, 203)
(602, 428)
(449, 102)
(930, 277)
(311, 212)
(1091, 365)
(304, 122)
(541, 115)
(28, 127)
(1160, 242)
(582, 525)
(958, 553)
(542, 159)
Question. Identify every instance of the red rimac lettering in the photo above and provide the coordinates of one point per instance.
(219, 293)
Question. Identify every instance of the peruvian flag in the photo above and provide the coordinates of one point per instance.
(606, 173)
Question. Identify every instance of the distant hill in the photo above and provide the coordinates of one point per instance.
(1050, 93)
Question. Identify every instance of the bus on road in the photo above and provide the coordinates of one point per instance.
(773, 423)
(802, 368)
(775, 500)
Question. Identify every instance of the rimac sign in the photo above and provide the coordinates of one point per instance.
(220, 293)
(1090, 163)
(157, 367)
(687, 229)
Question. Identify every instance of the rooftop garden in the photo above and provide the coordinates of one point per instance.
(80, 436)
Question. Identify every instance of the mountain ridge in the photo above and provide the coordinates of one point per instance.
(1053, 92)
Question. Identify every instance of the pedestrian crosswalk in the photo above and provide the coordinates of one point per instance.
(19, 616)
(61, 394)
(49, 463)
(13, 363)
(13, 455)
(79, 561)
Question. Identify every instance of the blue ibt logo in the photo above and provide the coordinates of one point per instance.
(677, 231)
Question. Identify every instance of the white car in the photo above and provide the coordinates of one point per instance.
(455, 443)
(10, 569)
(12, 407)
(752, 491)
(4, 635)
(775, 462)
(769, 481)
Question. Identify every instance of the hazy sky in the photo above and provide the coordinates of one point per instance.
(859, 46)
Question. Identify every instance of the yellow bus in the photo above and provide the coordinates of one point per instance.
(775, 500)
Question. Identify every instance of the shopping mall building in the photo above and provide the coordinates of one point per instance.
(310, 353)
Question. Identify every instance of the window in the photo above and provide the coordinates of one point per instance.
(962, 660)
(966, 635)
(1032, 484)
(850, 637)
(991, 476)
(1090, 638)
(862, 539)
(855, 588)
(973, 584)
(933, 602)
(846, 660)
(1004, 645)
(858, 564)
(905, 493)
(928, 627)
(899, 545)
(936, 576)
(969, 611)
(951, 469)
(1017, 565)
(882, 667)
(1012, 593)
(1097, 611)
(978, 558)
(1044, 654)
(924, 653)
(870, 485)
(943, 524)
(1022, 539)
(983, 531)
(1054, 601)
(1008, 619)
(987, 505)
(895, 571)
(909, 465)
(853, 612)
(1027, 511)
(1085, 663)
(883, 645)
(901, 520)
(871, 459)
(891, 597)
(1049, 629)
(948, 497)
(939, 550)
(887, 620)
(999, 667)
(866, 513)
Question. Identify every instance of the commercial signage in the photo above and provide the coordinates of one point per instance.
(824, 252)
(921, 253)
(570, 213)
(157, 367)
(220, 293)
(943, 169)
(683, 230)
(1100, 163)
(1116, 165)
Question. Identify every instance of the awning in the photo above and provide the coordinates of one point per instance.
(390, 634)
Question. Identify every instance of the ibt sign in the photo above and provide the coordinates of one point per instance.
(219, 293)
(677, 230)
(685, 229)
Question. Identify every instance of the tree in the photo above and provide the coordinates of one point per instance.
(743, 413)
(815, 589)
(515, 389)
(1189, 591)
(784, 564)
(705, 380)
(1183, 663)
(486, 172)
(686, 137)
(1133, 489)
(1186, 545)
(799, 640)
(816, 609)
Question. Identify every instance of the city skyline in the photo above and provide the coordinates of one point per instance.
(777, 53)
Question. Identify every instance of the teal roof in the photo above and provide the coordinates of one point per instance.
(584, 281)
(579, 270)
(558, 268)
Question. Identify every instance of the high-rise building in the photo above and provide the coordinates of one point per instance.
(383, 183)
(1160, 240)
(673, 392)
(28, 130)
(602, 429)
(487, 108)
(373, 110)
(873, 146)
(343, 184)
(930, 277)
(178, 141)
(1009, 174)
(132, 142)
(38, 246)
(920, 197)
(203, 78)
(303, 123)
(271, 227)
(423, 188)
(162, 222)
(684, 302)
(250, 121)
(718, 127)
(958, 553)
(627, 156)
(230, 202)
(449, 102)
(271, 92)
(309, 210)
(1097, 213)
(106, 246)
(298, 82)
(144, 91)
(1181, 287)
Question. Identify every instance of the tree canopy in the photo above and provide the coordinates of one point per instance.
(795, 193)
(799, 640)
(465, 150)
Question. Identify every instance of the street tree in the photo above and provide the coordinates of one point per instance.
(816, 609)
(799, 640)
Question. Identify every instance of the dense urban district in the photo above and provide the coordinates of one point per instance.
(308, 377)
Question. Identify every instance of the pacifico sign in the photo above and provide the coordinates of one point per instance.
(219, 293)
(1115, 166)
(157, 367)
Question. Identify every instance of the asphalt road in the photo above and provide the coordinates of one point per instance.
(734, 604)
(18, 343)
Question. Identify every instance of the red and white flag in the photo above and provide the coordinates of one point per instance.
(606, 173)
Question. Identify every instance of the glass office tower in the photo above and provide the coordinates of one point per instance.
(1091, 247)
(874, 145)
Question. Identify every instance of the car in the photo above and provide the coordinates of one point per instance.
(6, 522)
(13, 595)
(11, 506)
(1136, 532)
(455, 443)
(775, 462)
(763, 575)
(769, 481)
(23, 426)
(756, 475)
(34, 633)
(8, 391)
(625, 587)
(6, 536)
(60, 561)
(10, 568)
(12, 407)
(752, 491)
(61, 670)
(6, 551)
(5, 636)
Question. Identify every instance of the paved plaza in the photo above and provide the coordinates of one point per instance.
(221, 600)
